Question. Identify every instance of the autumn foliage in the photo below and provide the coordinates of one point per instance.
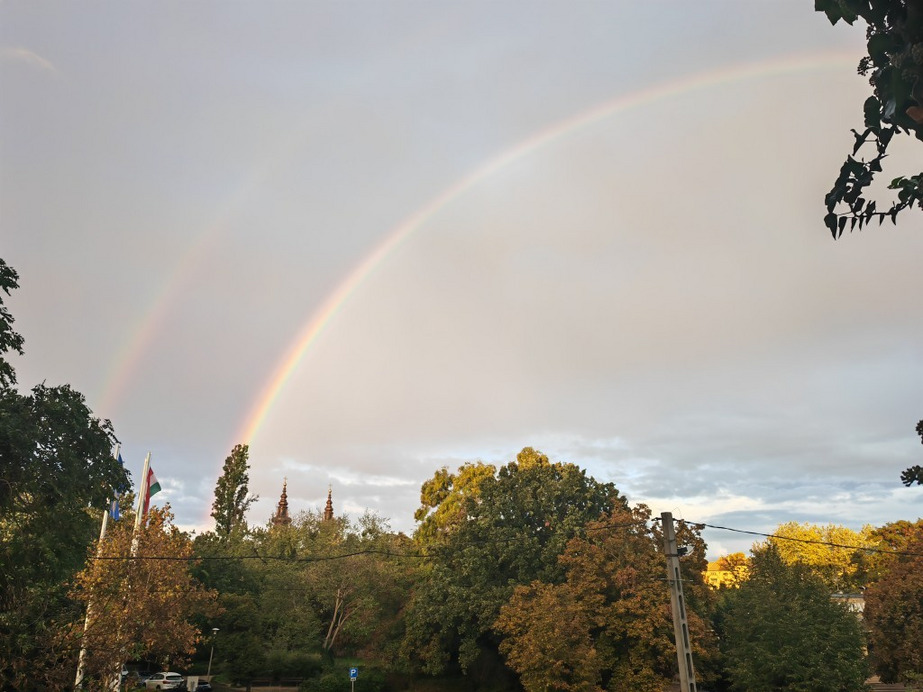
(609, 624)
(142, 600)
(894, 612)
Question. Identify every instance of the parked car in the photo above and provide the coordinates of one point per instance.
(203, 686)
(165, 681)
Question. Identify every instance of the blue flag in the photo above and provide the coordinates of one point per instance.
(114, 507)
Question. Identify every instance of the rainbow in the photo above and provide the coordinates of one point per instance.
(335, 302)
(133, 348)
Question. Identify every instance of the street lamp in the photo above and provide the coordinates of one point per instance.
(212, 654)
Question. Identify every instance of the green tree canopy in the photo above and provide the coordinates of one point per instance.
(242, 648)
(231, 492)
(297, 595)
(514, 529)
(57, 475)
(781, 631)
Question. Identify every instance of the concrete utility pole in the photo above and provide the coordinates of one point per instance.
(680, 626)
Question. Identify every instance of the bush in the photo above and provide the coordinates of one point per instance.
(372, 680)
(292, 664)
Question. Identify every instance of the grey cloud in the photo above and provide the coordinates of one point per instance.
(653, 296)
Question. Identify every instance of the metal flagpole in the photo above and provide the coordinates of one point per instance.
(143, 490)
(115, 683)
(142, 494)
(81, 660)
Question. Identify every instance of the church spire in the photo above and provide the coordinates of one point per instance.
(328, 509)
(281, 517)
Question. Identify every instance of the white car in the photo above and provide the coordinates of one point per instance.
(165, 681)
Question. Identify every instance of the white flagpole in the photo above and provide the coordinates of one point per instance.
(81, 660)
(135, 539)
(142, 492)
(142, 495)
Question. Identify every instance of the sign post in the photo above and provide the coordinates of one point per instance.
(353, 674)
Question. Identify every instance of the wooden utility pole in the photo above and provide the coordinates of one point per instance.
(680, 626)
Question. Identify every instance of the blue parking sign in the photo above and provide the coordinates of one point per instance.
(353, 673)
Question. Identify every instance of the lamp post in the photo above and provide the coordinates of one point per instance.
(212, 654)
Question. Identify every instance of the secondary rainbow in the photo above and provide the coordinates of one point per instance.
(141, 336)
(319, 320)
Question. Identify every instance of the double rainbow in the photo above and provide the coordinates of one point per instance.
(248, 429)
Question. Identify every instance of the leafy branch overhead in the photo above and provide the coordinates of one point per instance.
(894, 67)
(915, 473)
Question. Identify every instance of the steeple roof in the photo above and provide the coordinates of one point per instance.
(281, 517)
(328, 508)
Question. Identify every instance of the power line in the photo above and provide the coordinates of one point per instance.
(831, 544)
(258, 556)
(493, 541)
(325, 558)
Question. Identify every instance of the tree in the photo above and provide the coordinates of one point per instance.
(828, 551)
(143, 601)
(549, 638)
(896, 537)
(9, 339)
(609, 624)
(737, 565)
(57, 475)
(894, 66)
(294, 596)
(894, 609)
(357, 598)
(240, 583)
(512, 532)
(444, 499)
(915, 473)
(781, 631)
(231, 500)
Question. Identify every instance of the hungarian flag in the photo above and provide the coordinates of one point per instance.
(151, 487)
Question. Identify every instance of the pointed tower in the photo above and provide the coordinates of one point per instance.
(281, 517)
(328, 508)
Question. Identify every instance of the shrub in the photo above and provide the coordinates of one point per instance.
(292, 664)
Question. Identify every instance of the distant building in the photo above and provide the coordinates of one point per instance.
(853, 601)
(328, 508)
(281, 517)
(718, 576)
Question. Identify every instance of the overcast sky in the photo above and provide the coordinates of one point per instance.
(378, 238)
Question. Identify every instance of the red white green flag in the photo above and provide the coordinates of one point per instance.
(152, 487)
